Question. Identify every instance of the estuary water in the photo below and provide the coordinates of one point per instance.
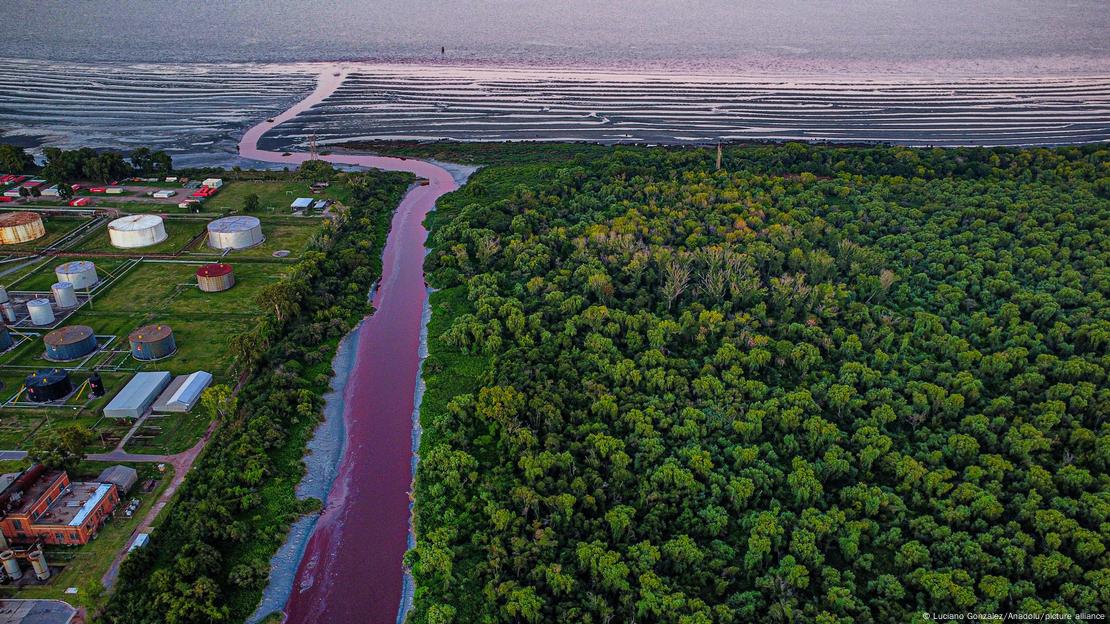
(191, 76)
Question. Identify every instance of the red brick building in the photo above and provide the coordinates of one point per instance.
(40, 505)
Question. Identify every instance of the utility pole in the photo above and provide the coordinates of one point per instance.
(313, 152)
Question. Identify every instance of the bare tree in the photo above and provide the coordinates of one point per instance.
(676, 277)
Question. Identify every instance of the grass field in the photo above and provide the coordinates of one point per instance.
(274, 196)
(171, 287)
(171, 433)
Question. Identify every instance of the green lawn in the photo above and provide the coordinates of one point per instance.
(274, 196)
(85, 565)
(171, 288)
(172, 433)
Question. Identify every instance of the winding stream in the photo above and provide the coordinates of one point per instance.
(351, 569)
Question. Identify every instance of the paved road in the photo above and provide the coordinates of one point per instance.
(12, 455)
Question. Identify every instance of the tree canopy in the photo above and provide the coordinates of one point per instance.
(819, 384)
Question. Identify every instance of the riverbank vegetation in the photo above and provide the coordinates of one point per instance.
(209, 559)
(820, 384)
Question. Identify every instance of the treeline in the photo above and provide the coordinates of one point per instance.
(208, 560)
(86, 163)
(821, 384)
(89, 164)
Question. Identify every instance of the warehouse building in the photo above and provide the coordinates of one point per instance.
(183, 393)
(138, 395)
(123, 477)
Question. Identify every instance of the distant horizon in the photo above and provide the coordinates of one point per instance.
(817, 36)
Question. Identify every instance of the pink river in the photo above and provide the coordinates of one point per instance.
(351, 572)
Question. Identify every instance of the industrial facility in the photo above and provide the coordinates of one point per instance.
(138, 395)
(20, 227)
(239, 232)
(70, 343)
(137, 231)
(40, 506)
(48, 384)
(152, 342)
(215, 277)
(80, 273)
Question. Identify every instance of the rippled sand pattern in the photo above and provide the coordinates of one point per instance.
(183, 108)
(407, 102)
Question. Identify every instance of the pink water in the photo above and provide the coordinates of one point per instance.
(351, 571)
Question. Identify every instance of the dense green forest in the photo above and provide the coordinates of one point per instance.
(818, 385)
(209, 558)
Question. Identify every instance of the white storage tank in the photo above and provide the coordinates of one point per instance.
(64, 295)
(237, 232)
(136, 231)
(40, 311)
(80, 273)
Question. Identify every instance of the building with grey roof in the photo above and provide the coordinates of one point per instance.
(138, 395)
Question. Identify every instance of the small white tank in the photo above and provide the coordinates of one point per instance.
(38, 562)
(11, 565)
(8, 310)
(40, 311)
(80, 273)
(3, 295)
(64, 295)
(137, 231)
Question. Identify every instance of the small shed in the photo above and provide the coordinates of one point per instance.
(137, 395)
(301, 203)
(123, 477)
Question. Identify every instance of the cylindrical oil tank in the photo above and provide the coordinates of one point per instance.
(64, 295)
(237, 232)
(20, 227)
(80, 273)
(47, 384)
(152, 342)
(4, 295)
(215, 277)
(6, 341)
(8, 310)
(96, 385)
(38, 563)
(136, 231)
(70, 343)
(40, 311)
(11, 565)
